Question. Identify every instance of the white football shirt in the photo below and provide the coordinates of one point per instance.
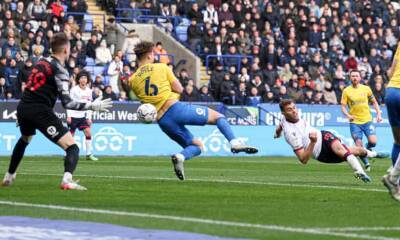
(297, 135)
(83, 96)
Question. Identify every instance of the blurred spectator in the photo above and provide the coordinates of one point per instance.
(91, 46)
(318, 98)
(103, 54)
(216, 79)
(294, 91)
(12, 72)
(37, 10)
(254, 98)
(379, 92)
(109, 93)
(329, 93)
(189, 95)
(10, 46)
(3, 88)
(98, 83)
(161, 53)
(111, 34)
(129, 44)
(122, 97)
(308, 97)
(114, 70)
(205, 96)
(195, 14)
(241, 94)
(57, 8)
(227, 90)
(210, 15)
(195, 35)
(269, 97)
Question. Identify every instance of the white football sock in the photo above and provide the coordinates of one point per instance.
(88, 143)
(354, 163)
(67, 177)
(395, 172)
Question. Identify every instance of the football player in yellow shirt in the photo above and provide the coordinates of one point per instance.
(392, 101)
(357, 98)
(155, 83)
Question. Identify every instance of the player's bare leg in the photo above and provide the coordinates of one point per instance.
(363, 152)
(16, 157)
(89, 147)
(345, 153)
(67, 143)
(364, 159)
(237, 145)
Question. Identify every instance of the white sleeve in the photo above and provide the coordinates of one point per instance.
(89, 112)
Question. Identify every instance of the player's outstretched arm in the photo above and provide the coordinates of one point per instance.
(377, 109)
(304, 154)
(278, 131)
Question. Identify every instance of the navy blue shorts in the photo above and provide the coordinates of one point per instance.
(327, 155)
(357, 130)
(180, 114)
(78, 123)
(392, 101)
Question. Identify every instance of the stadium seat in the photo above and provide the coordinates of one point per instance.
(88, 21)
(181, 32)
(90, 61)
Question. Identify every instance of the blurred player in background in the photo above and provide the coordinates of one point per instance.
(392, 101)
(357, 97)
(323, 146)
(48, 81)
(81, 120)
(155, 83)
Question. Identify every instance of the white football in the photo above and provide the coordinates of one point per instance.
(147, 113)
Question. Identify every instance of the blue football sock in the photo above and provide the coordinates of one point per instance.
(225, 128)
(395, 153)
(191, 151)
(365, 160)
(369, 146)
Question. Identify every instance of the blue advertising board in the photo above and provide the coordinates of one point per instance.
(139, 139)
(315, 115)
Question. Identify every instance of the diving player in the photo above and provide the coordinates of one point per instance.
(155, 83)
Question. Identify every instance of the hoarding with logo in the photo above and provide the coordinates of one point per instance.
(138, 139)
(315, 115)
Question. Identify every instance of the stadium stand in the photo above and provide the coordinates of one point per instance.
(254, 51)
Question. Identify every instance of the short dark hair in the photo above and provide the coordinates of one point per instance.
(354, 70)
(284, 102)
(143, 48)
(83, 73)
(58, 42)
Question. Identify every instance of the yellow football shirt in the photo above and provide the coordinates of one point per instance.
(395, 79)
(357, 99)
(151, 83)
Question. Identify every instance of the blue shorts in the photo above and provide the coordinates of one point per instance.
(357, 130)
(392, 101)
(180, 114)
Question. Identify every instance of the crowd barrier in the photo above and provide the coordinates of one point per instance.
(118, 133)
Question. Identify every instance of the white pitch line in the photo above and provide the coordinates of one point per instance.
(198, 220)
(222, 181)
(356, 229)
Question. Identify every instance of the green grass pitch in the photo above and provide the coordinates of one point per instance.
(256, 198)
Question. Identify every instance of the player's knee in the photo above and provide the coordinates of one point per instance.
(72, 150)
(213, 116)
(198, 143)
(26, 139)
